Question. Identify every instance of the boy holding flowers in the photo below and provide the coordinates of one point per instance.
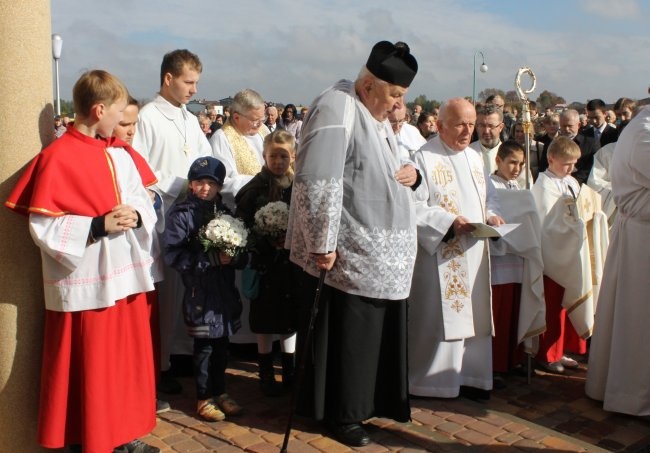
(203, 243)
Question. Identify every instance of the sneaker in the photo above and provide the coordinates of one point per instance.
(228, 405)
(162, 406)
(551, 367)
(209, 411)
(568, 362)
(136, 446)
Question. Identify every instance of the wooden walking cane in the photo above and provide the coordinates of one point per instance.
(303, 358)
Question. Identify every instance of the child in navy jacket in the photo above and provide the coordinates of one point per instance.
(211, 302)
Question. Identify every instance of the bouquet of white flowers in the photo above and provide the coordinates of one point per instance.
(272, 219)
(224, 233)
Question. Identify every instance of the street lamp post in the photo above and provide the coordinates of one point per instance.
(57, 43)
(483, 68)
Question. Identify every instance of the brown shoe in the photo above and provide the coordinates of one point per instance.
(228, 405)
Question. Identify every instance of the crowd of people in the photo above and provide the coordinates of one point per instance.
(450, 245)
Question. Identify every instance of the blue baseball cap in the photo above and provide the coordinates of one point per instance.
(207, 167)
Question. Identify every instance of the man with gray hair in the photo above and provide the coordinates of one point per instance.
(408, 136)
(589, 145)
(272, 118)
(352, 216)
(239, 143)
(450, 318)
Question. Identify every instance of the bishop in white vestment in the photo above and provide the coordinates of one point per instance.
(450, 319)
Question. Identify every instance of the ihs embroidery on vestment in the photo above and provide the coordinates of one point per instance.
(441, 175)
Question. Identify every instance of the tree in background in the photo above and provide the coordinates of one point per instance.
(548, 99)
(511, 97)
(486, 93)
(427, 105)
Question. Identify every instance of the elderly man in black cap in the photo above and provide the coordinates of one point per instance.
(352, 215)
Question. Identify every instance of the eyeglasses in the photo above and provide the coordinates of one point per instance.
(397, 123)
(254, 123)
(488, 126)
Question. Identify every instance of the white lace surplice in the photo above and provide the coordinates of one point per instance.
(345, 198)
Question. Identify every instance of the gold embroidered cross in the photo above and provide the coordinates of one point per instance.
(457, 306)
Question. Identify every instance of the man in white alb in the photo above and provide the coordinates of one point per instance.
(450, 318)
(170, 139)
(408, 136)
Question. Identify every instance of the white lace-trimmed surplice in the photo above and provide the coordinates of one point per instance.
(77, 276)
(345, 198)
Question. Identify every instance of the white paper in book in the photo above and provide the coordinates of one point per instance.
(482, 230)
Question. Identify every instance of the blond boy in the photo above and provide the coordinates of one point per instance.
(567, 267)
(92, 218)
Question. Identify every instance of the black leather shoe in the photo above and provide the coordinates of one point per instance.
(499, 382)
(474, 393)
(168, 384)
(136, 446)
(351, 434)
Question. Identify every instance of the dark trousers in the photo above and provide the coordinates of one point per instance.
(210, 361)
(357, 365)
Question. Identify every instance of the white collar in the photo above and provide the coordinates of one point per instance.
(168, 110)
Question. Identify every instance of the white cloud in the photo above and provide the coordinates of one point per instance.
(608, 9)
(290, 51)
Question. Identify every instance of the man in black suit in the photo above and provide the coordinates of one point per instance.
(599, 128)
(272, 118)
(589, 144)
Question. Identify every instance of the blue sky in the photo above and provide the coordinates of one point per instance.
(290, 51)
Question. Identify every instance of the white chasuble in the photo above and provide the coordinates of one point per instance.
(450, 316)
(455, 184)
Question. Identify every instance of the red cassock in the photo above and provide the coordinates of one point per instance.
(560, 335)
(97, 382)
(506, 352)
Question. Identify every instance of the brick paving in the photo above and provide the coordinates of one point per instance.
(551, 413)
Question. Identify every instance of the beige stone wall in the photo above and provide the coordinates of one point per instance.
(25, 123)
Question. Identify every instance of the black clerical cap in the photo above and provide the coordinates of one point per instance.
(393, 63)
(207, 167)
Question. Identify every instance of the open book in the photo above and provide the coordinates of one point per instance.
(486, 231)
